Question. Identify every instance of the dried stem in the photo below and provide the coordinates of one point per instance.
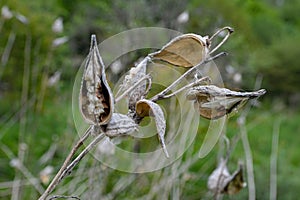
(69, 168)
(195, 83)
(7, 51)
(273, 160)
(63, 197)
(229, 31)
(191, 70)
(56, 179)
(249, 159)
(246, 146)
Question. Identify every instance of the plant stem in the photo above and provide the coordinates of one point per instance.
(195, 83)
(273, 160)
(165, 91)
(249, 159)
(69, 168)
(56, 179)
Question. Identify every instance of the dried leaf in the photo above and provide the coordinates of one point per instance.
(213, 102)
(120, 125)
(95, 98)
(185, 50)
(144, 108)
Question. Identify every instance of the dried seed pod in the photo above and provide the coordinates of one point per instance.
(136, 74)
(220, 181)
(188, 50)
(185, 50)
(120, 125)
(235, 182)
(95, 98)
(146, 107)
(216, 181)
(213, 102)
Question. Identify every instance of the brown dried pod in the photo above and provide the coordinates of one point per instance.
(188, 50)
(213, 102)
(221, 181)
(136, 74)
(235, 182)
(95, 98)
(185, 50)
(120, 125)
(146, 107)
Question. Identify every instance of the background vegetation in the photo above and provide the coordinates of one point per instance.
(38, 67)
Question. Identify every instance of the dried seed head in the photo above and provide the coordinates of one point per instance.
(96, 99)
(120, 125)
(185, 50)
(220, 181)
(213, 102)
(146, 107)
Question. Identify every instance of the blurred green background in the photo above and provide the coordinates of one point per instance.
(43, 43)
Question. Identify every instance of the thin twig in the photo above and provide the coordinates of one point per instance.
(246, 145)
(70, 167)
(17, 163)
(29, 176)
(55, 180)
(63, 197)
(7, 51)
(273, 160)
(249, 159)
(169, 88)
(195, 83)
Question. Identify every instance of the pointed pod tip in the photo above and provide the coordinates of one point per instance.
(262, 92)
(167, 154)
(165, 151)
(93, 41)
(231, 30)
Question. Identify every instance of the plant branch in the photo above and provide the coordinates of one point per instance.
(249, 159)
(195, 83)
(63, 197)
(56, 179)
(68, 169)
(191, 70)
(273, 160)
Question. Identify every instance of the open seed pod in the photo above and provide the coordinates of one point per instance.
(222, 182)
(145, 108)
(188, 50)
(136, 74)
(185, 50)
(234, 183)
(213, 102)
(95, 98)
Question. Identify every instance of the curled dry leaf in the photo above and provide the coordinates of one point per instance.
(213, 102)
(120, 125)
(220, 181)
(136, 74)
(146, 107)
(95, 98)
(185, 50)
